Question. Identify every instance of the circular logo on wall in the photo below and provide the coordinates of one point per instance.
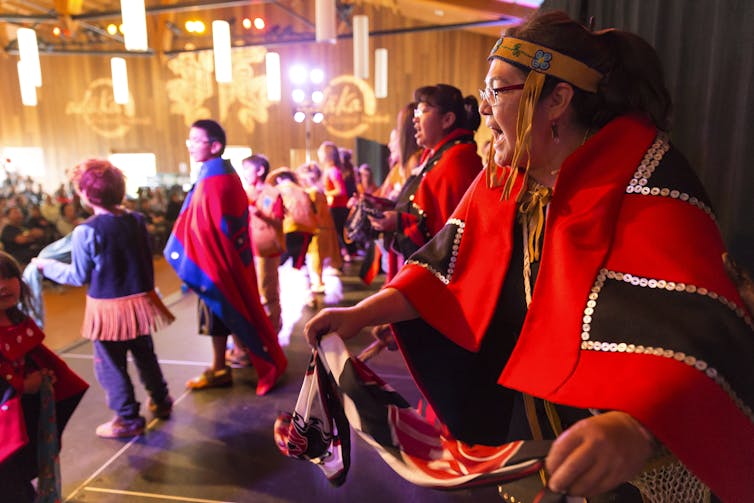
(349, 106)
(101, 113)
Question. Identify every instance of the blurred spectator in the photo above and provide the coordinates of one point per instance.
(68, 219)
(19, 241)
(366, 180)
(49, 209)
(37, 221)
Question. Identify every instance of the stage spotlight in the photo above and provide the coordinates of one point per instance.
(299, 117)
(195, 26)
(246, 23)
(56, 31)
(112, 29)
(298, 95)
(318, 97)
(259, 23)
(317, 76)
(318, 117)
(297, 74)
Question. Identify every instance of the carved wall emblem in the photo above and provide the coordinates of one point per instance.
(100, 112)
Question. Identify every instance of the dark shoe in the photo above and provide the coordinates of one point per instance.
(161, 410)
(211, 379)
(119, 427)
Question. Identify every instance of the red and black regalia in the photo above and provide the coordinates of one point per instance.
(434, 189)
(631, 310)
(210, 250)
(30, 427)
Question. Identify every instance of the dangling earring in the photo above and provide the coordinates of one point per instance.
(554, 129)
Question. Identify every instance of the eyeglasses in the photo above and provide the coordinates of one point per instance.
(418, 112)
(192, 142)
(492, 95)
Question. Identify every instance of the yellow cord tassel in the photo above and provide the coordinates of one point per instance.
(533, 217)
(529, 98)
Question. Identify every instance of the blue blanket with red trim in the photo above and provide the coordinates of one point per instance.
(210, 251)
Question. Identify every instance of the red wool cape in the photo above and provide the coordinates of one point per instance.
(632, 309)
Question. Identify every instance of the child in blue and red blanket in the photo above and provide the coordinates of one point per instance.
(38, 394)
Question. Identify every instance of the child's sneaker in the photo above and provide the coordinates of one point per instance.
(161, 410)
(119, 427)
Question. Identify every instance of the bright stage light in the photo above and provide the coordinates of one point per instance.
(298, 95)
(297, 74)
(28, 51)
(120, 80)
(221, 46)
(299, 117)
(135, 21)
(272, 62)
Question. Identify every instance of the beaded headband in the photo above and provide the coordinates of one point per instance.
(544, 60)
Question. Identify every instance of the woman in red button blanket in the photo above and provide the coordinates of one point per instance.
(38, 394)
(581, 295)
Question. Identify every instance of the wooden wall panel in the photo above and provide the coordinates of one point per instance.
(76, 117)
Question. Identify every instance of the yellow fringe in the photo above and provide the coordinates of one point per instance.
(529, 98)
(125, 318)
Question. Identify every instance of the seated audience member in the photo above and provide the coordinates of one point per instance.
(50, 209)
(19, 241)
(37, 221)
(68, 219)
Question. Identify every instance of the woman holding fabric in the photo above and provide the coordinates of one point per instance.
(617, 351)
(445, 122)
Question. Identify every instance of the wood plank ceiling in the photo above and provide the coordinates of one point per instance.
(81, 26)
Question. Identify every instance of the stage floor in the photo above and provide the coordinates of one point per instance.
(218, 445)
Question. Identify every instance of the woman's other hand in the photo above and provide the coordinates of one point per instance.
(388, 222)
(597, 454)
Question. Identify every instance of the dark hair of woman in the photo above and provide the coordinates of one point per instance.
(449, 99)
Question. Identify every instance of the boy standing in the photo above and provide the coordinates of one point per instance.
(210, 250)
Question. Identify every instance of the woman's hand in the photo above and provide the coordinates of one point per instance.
(343, 321)
(597, 454)
(388, 222)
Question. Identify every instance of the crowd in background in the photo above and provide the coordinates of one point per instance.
(31, 218)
